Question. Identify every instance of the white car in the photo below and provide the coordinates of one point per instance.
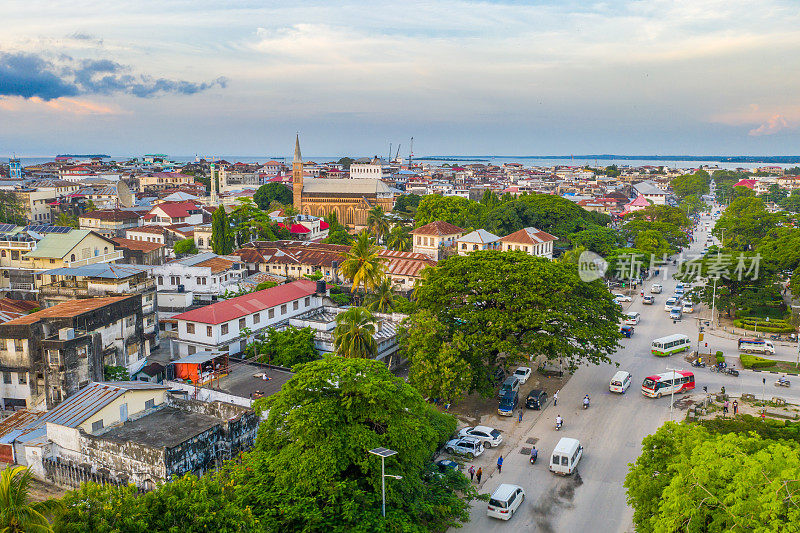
(522, 374)
(505, 500)
(632, 318)
(469, 446)
(488, 436)
(688, 307)
(670, 303)
(621, 297)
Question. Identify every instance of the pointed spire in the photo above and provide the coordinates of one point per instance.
(297, 157)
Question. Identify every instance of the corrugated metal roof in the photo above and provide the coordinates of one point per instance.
(58, 245)
(101, 270)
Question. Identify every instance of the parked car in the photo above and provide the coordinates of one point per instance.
(536, 399)
(447, 464)
(626, 330)
(488, 436)
(499, 376)
(670, 303)
(508, 403)
(522, 374)
(469, 446)
(649, 300)
(621, 297)
(632, 318)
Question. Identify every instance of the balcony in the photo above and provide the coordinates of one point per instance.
(86, 289)
(72, 289)
(102, 258)
(15, 286)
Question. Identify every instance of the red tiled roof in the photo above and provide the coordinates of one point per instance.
(296, 228)
(323, 225)
(437, 228)
(529, 236)
(111, 215)
(750, 184)
(130, 244)
(175, 209)
(249, 303)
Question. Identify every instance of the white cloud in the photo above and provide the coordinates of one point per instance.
(775, 124)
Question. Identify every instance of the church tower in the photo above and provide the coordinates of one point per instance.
(297, 176)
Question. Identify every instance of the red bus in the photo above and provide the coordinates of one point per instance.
(667, 383)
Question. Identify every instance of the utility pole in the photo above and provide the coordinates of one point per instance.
(714, 303)
(672, 396)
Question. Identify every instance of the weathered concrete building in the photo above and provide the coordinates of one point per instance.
(128, 432)
(52, 353)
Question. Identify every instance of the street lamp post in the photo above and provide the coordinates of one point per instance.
(714, 303)
(383, 453)
(672, 395)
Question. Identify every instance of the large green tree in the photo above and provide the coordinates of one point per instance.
(598, 239)
(378, 223)
(510, 306)
(399, 238)
(690, 479)
(185, 247)
(288, 347)
(439, 367)
(272, 192)
(186, 504)
(221, 232)
(674, 235)
(696, 184)
(383, 299)
(453, 209)
(745, 222)
(661, 213)
(311, 470)
(693, 205)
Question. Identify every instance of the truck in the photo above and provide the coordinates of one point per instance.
(752, 345)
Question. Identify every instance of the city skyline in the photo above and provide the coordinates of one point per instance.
(475, 78)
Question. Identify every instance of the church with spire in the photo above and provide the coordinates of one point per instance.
(350, 199)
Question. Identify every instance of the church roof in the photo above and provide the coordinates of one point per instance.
(343, 186)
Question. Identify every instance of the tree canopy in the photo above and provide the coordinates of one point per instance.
(745, 222)
(288, 347)
(311, 470)
(185, 247)
(509, 306)
(691, 479)
(272, 192)
(696, 184)
(221, 233)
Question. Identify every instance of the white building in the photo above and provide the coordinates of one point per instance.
(532, 241)
(204, 275)
(431, 238)
(477, 240)
(219, 327)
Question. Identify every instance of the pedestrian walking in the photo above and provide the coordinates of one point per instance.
(725, 408)
(472, 473)
(723, 390)
(520, 415)
(478, 474)
(735, 407)
(555, 398)
(500, 465)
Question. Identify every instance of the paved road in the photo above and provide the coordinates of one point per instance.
(611, 431)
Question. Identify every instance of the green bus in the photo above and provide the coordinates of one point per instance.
(670, 344)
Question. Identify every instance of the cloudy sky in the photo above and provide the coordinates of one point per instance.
(492, 77)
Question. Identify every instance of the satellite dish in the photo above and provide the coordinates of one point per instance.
(124, 194)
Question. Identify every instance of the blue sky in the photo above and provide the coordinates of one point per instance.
(492, 77)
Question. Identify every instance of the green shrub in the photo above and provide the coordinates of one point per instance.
(720, 356)
(773, 326)
(754, 361)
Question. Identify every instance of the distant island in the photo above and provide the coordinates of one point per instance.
(777, 159)
(104, 156)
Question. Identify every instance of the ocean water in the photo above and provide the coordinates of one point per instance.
(528, 161)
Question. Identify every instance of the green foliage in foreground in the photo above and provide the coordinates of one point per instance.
(754, 361)
(693, 478)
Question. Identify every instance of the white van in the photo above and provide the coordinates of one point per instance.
(620, 382)
(656, 288)
(566, 456)
(505, 500)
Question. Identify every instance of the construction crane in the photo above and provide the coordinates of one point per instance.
(411, 153)
(397, 155)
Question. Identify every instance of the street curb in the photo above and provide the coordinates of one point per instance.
(774, 372)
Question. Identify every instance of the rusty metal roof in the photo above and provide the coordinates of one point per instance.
(68, 309)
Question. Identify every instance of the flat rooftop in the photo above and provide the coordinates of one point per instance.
(245, 379)
(166, 428)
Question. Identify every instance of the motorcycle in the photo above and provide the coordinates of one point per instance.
(558, 425)
(732, 372)
(782, 383)
(586, 403)
(534, 456)
(776, 337)
(698, 364)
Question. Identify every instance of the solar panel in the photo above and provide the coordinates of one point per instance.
(48, 229)
(6, 227)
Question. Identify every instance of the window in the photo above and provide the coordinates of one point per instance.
(283, 309)
(15, 255)
(192, 350)
(105, 249)
(242, 323)
(18, 345)
(97, 425)
(160, 280)
(52, 261)
(256, 318)
(53, 357)
(190, 328)
(307, 301)
(6, 377)
(3, 253)
(82, 351)
(23, 378)
(295, 305)
(224, 329)
(200, 242)
(130, 321)
(272, 313)
(209, 331)
(564, 460)
(149, 404)
(72, 258)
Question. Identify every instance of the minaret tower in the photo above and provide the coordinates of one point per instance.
(297, 175)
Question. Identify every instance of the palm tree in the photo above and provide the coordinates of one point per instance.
(64, 219)
(291, 214)
(399, 239)
(17, 513)
(361, 264)
(378, 222)
(354, 335)
(383, 299)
